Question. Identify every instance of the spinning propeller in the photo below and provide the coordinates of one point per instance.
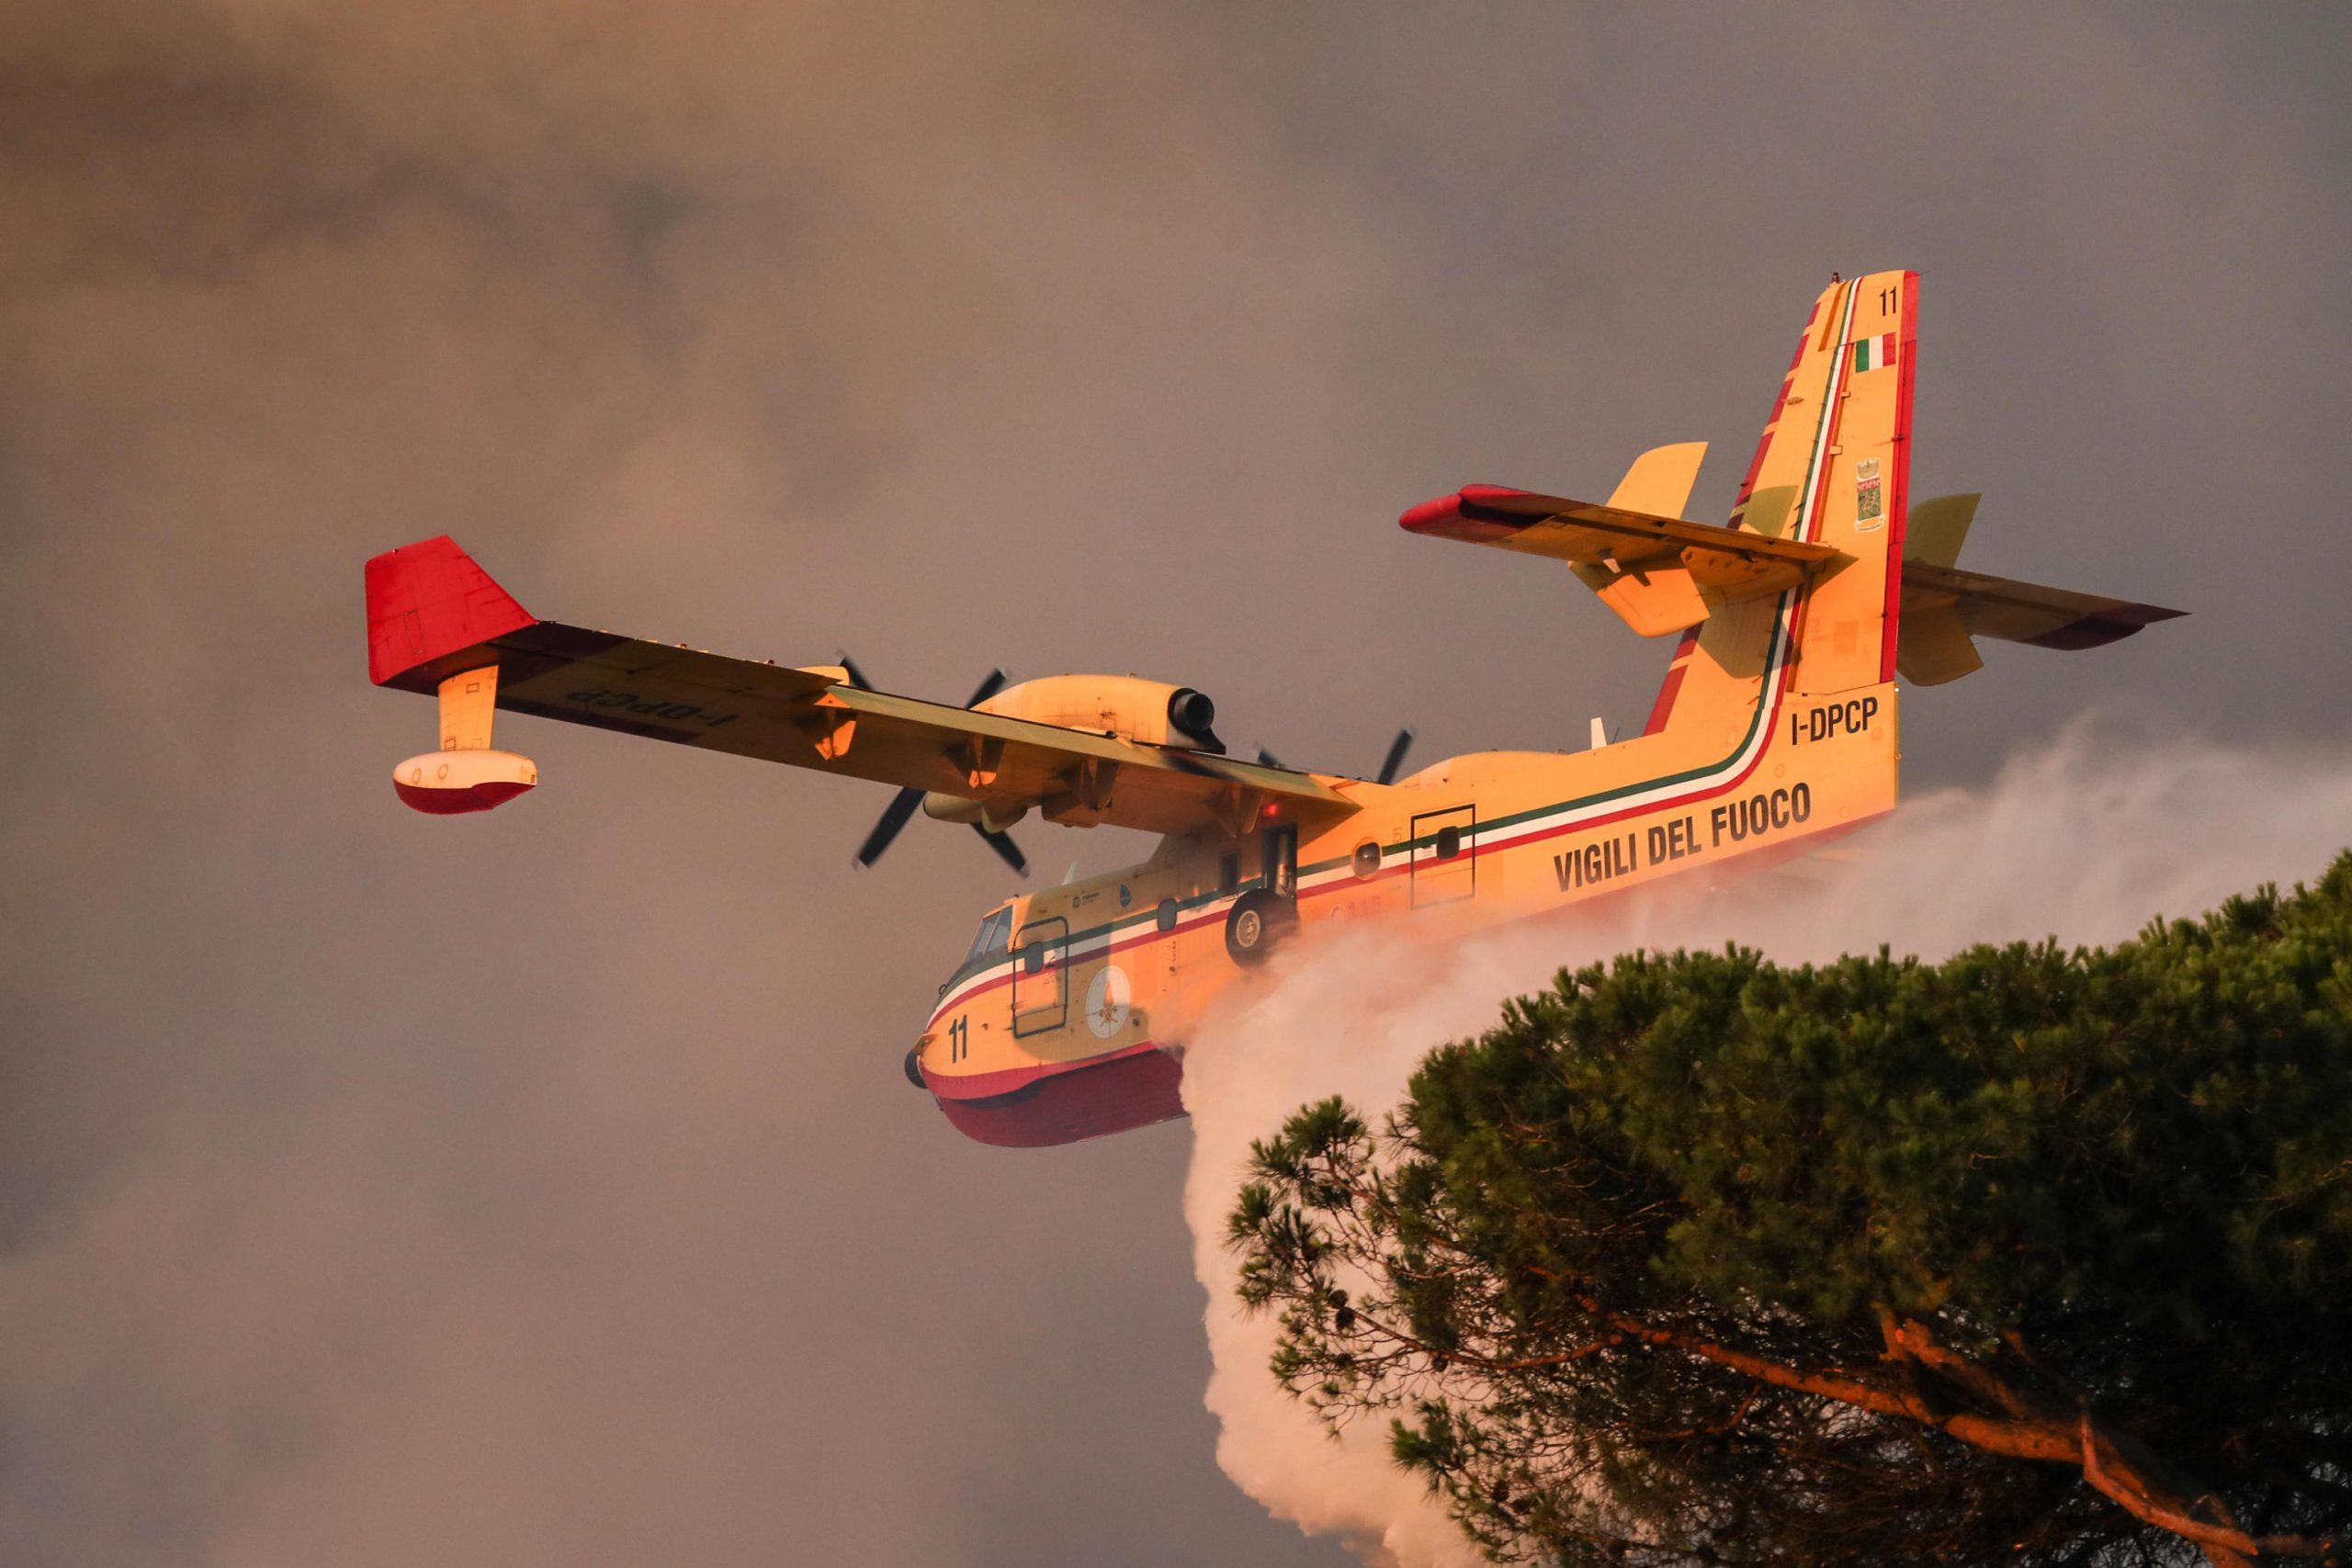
(1387, 774)
(903, 803)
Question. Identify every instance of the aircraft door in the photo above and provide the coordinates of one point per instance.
(1444, 868)
(1041, 977)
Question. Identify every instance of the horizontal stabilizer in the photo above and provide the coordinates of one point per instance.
(2027, 612)
(1945, 609)
(1661, 574)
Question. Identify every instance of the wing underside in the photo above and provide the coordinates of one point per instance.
(2009, 611)
(1660, 574)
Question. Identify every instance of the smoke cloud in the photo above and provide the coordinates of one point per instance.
(542, 1188)
(2087, 840)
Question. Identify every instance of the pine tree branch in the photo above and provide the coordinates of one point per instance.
(2013, 1439)
(2222, 1544)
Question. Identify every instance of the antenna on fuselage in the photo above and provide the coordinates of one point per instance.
(1601, 736)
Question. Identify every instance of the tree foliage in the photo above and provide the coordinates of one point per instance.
(2035, 1255)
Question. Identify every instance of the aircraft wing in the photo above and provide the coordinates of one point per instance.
(2009, 611)
(433, 613)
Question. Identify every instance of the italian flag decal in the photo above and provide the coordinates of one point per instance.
(1874, 353)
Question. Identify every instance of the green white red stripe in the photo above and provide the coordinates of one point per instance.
(1486, 838)
(1874, 353)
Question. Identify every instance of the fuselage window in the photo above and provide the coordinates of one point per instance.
(1167, 914)
(1449, 843)
(1367, 859)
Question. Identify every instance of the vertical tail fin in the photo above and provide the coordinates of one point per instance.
(1832, 468)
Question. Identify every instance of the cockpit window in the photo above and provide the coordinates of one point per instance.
(994, 936)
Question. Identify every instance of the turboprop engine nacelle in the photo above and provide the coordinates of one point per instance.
(1152, 712)
(464, 775)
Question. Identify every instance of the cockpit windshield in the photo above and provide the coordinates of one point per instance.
(995, 936)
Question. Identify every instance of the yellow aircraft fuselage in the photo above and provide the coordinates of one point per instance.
(1067, 1020)
(1777, 724)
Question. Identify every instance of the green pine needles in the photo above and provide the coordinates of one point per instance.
(2033, 1256)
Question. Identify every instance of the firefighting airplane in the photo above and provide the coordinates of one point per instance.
(1777, 723)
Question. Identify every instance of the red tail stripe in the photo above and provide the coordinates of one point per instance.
(1898, 505)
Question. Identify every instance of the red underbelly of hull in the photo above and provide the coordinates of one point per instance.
(1091, 1102)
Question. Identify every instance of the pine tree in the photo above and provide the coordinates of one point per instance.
(2034, 1255)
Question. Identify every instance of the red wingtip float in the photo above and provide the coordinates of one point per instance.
(430, 608)
(1775, 727)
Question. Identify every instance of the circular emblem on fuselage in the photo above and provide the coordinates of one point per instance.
(1107, 1001)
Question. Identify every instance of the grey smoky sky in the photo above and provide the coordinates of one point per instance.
(542, 1188)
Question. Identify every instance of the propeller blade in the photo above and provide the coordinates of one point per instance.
(1267, 758)
(894, 817)
(1006, 851)
(857, 676)
(991, 685)
(1397, 749)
